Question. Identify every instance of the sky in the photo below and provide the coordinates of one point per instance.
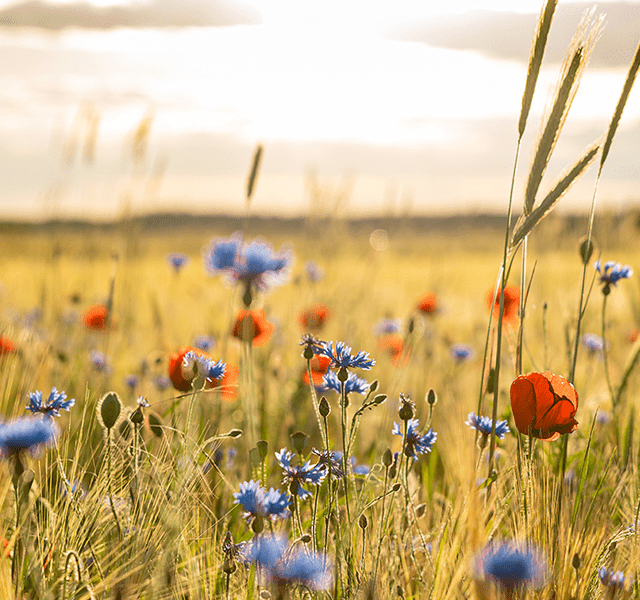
(362, 106)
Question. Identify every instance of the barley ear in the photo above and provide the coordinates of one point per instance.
(617, 115)
(535, 61)
(527, 222)
(253, 175)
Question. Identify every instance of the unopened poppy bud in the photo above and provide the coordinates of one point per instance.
(421, 509)
(234, 433)
(362, 521)
(431, 398)
(305, 538)
(396, 487)
(265, 595)
(136, 416)
(586, 250)
(576, 562)
(247, 298)
(387, 458)
(155, 424)
(124, 429)
(299, 441)
(109, 409)
(491, 381)
(393, 471)
(263, 448)
(254, 457)
(343, 374)
(324, 407)
(399, 591)
(374, 386)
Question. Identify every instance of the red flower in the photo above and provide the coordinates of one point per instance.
(544, 405)
(428, 304)
(319, 367)
(7, 346)
(634, 335)
(511, 304)
(177, 376)
(314, 318)
(96, 317)
(228, 383)
(394, 345)
(252, 325)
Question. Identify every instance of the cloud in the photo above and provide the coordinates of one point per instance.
(507, 35)
(155, 14)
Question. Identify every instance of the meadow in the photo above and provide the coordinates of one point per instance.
(329, 411)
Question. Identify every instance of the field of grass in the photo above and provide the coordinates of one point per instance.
(408, 529)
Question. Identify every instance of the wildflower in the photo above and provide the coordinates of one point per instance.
(204, 365)
(96, 317)
(162, 382)
(511, 304)
(131, 381)
(204, 342)
(177, 261)
(428, 304)
(256, 264)
(284, 566)
(315, 317)
(7, 346)
(252, 326)
(415, 443)
(544, 405)
(319, 367)
(387, 326)
(331, 460)
(610, 578)
(56, 402)
(394, 345)
(354, 384)
(314, 271)
(99, 360)
(461, 352)
(312, 346)
(510, 566)
(26, 434)
(633, 335)
(256, 501)
(484, 424)
(228, 384)
(611, 274)
(341, 357)
(299, 474)
(75, 490)
(594, 343)
(188, 362)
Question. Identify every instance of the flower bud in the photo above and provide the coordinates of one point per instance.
(299, 441)
(431, 398)
(324, 407)
(155, 424)
(387, 458)
(363, 521)
(109, 409)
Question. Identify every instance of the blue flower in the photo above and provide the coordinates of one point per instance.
(204, 342)
(611, 578)
(461, 352)
(285, 565)
(330, 459)
(256, 501)
(593, 342)
(131, 381)
(387, 326)
(210, 369)
(162, 382)
(510, 565)
(26, 434)
(341, 357)
(56, 402)
(415, 443)
(314, 271)
(308, 341)
(99, 360)
(256, 264)
(612, 272)
(484, 424)
(352, 384)
(177, 260)
(300, 474)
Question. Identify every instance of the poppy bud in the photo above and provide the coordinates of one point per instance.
(431, 398)
(585, 250)
(299, 441)
(363, 522)
(387, 458)
(324, 408)
(155, 424)
(109, 409)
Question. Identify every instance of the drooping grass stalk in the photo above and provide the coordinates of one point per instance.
(605, 359)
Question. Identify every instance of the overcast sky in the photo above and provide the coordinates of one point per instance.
(394, 105)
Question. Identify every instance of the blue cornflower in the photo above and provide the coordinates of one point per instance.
(300, 474)
(387, 326)
(415, 443)
(99, 360)
(256, 501)
(56, 402)
(177, 260)
(330, 459)
(484, 424)
(210, 369)
(461, 352)
(510, 565)
(594, 343)
(611, 578)
(356, 468)
(352, 384)
(131, 381)
(204, 342)
(612, 273)
(341, 357)
(162, 382)
(256, 264)
(314, 271)
(308, 341)
(285, 565)
(26, 434)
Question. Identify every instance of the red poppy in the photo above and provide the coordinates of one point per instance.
(180, 380)
(7, 346)
(544, 405)
(634, 335)
(428, 304)
(319, 367)
(511, 304)
(315, 317)
(228, 383)
(96, 317)
(252, 325)
(394, 345)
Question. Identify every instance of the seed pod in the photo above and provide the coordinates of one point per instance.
(109, 409)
